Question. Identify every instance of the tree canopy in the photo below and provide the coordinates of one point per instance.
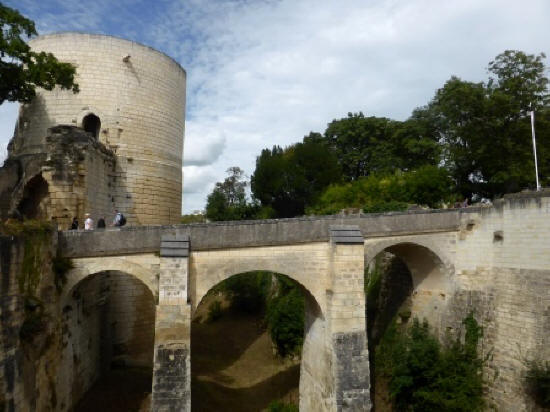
(472, 140)
(289, 180)
(485, 128)
(21, 69)
(228, 199)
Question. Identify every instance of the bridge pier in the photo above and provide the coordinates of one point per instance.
(346, 317)
(334, 374)
(172, 364)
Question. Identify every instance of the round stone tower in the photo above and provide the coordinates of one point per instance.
(132, 99)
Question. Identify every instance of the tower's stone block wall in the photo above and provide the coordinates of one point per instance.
(137, 97)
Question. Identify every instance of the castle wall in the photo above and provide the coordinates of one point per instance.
(140, 101)
(503, 275)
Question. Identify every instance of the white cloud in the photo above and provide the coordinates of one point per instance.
(266, 72)
(204, 144)
(197, 181)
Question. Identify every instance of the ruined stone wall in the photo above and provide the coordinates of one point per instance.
(138, 94)
(30, 332)
(77, 174)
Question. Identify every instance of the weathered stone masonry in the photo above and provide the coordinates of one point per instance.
(493, 261)
(132, 101)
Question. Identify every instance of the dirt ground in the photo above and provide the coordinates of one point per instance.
(233, 365)
(119, 390)
(233, 369)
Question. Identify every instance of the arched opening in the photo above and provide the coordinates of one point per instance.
(403, 281)
(108, 340)
(246, 347)
(35, 201)
(92, 124)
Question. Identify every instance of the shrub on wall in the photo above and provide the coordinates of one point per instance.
(427, 376)
(279, 297)
(279, 406)
(538, 383)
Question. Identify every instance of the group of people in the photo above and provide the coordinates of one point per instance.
(119, 220)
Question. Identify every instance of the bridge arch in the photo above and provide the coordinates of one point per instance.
(313, 347)
(430, 270)
(86, 267)
(306, 264)
(108, 322)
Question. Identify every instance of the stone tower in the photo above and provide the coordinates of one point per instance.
(132, 105)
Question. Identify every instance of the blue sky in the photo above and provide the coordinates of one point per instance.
(266, 72)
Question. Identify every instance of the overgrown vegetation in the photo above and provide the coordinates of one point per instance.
(279, 406)
(35, 236)
(425, 375)
(277, 297)
(285, 317)
(376, 193)
(538, 382)
(60, 266)
(373, 283)
(214, 311)
(198, 218)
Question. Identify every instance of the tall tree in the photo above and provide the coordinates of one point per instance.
(22, 70)
(367, 145)
(485, 127)
(291, 179)
(362, 144)
(228, 199)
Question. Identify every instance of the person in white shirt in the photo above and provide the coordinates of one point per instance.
(88, 223)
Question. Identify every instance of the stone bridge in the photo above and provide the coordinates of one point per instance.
(493, 261)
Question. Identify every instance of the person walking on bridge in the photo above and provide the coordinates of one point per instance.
(88, 223)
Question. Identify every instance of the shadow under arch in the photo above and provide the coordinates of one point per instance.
(430, 272)
(258, 394)
(109, 322)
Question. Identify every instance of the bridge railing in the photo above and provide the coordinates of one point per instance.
(248, 233)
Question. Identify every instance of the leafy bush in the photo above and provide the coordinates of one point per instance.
(214, 311)
(247, 291)
(282, 300)
(538, 382)
(198, 218)
(373, 283)
(424, 375)
(381, 207)
(428, 185)
(285, 321)
(279, 406)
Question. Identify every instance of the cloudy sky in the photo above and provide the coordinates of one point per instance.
(267, 72)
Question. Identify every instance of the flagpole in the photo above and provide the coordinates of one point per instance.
(535, 147)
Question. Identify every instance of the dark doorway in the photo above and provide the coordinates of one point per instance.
(34, 203)
(92, 124)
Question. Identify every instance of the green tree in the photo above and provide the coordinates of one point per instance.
(485, 128)
(367, 145)
(228, 199)
(428, 186)
(289, 180)
(362, 144)
(427, 376)
(22, 70)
